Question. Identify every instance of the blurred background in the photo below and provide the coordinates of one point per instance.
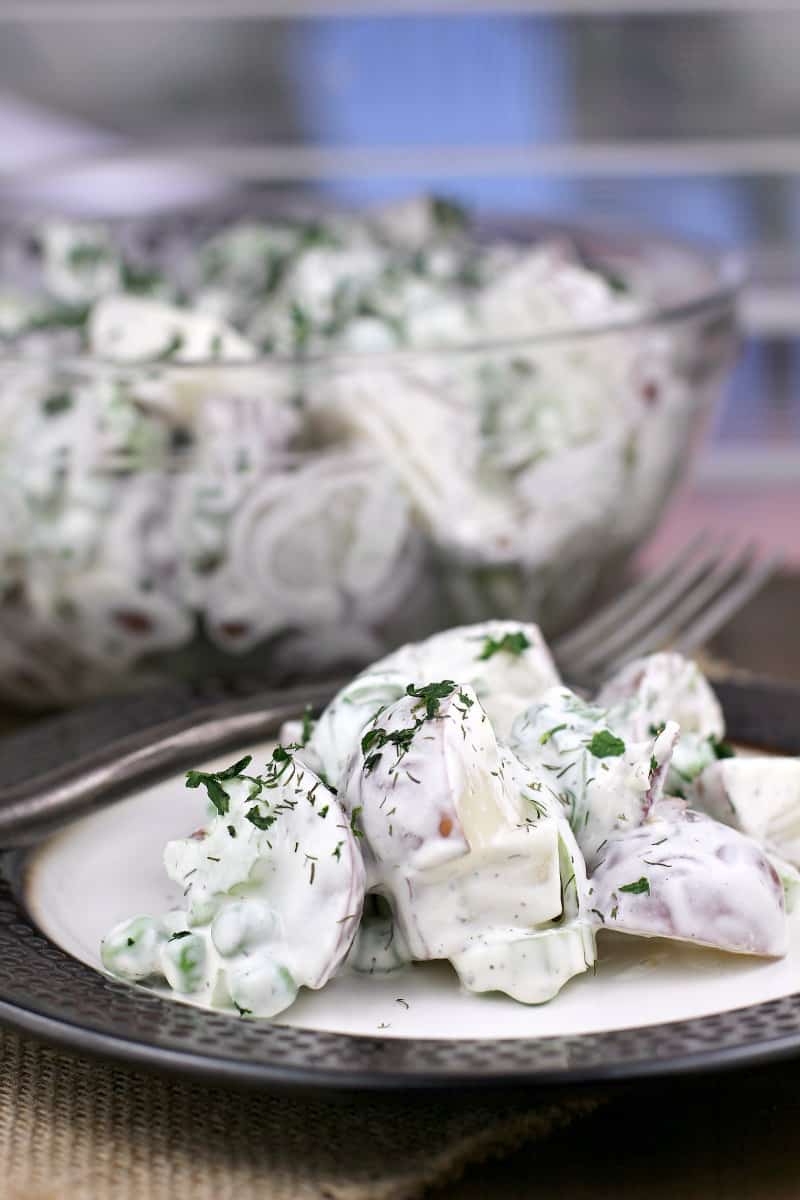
(678, 116)
(662, 115)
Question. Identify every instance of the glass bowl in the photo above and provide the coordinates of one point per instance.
(289, 516)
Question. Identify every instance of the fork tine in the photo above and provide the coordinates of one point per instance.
(648, 614)
(611, 614)
(728, 603)
(726, 576)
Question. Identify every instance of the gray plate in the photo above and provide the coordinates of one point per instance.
(46, 992)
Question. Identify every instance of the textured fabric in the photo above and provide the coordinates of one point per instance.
(80, 1129)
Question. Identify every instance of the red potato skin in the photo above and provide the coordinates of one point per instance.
(682, 875)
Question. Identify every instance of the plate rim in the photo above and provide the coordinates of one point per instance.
(389, 1064)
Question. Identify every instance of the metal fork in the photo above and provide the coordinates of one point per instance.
(678, 607)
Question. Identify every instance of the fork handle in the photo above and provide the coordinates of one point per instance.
(109, 767)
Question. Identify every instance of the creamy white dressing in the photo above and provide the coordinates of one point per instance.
(604, 783)
(647, 692)
(463, 845)
(271, 906)
(505, 676)
(501, 846)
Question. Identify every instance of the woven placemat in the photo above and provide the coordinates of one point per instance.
(81, 1129)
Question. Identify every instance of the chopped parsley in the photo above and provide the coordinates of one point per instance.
(605, 744)
(212, 781)
(301, 326)
(254, 816)
(509, 643)
(354, 828)
(173, 347)
(431, 695)
(641, 887)
(86, 254)
(448, 215)
(139, 281)
(55, 403)
(722, 749)
(374, 740)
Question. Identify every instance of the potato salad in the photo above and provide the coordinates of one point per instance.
(457, 801)
(302, 439)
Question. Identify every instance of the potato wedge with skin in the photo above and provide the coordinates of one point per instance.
(650, 691)
(456, 836)
(684, 876)
(506, 662)
(604, 782)
(759, 796)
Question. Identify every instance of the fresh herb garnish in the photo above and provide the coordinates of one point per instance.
(605, 744)
(449, 216)
(173, 346)
(639, 888)
(139, 281)
(182, 934)
(85, 254)
(216, 792)
(212, 781)
(254, 816)
(510, 643)
(431, 694)
(301, 326)
(722, 749)
(375, 740)
(55, 403)
(354, 829)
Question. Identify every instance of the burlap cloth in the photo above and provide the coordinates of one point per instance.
(82, 1129)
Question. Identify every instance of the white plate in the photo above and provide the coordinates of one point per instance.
(107, 867)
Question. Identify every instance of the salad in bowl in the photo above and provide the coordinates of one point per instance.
(283, 445)
(457, 801)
